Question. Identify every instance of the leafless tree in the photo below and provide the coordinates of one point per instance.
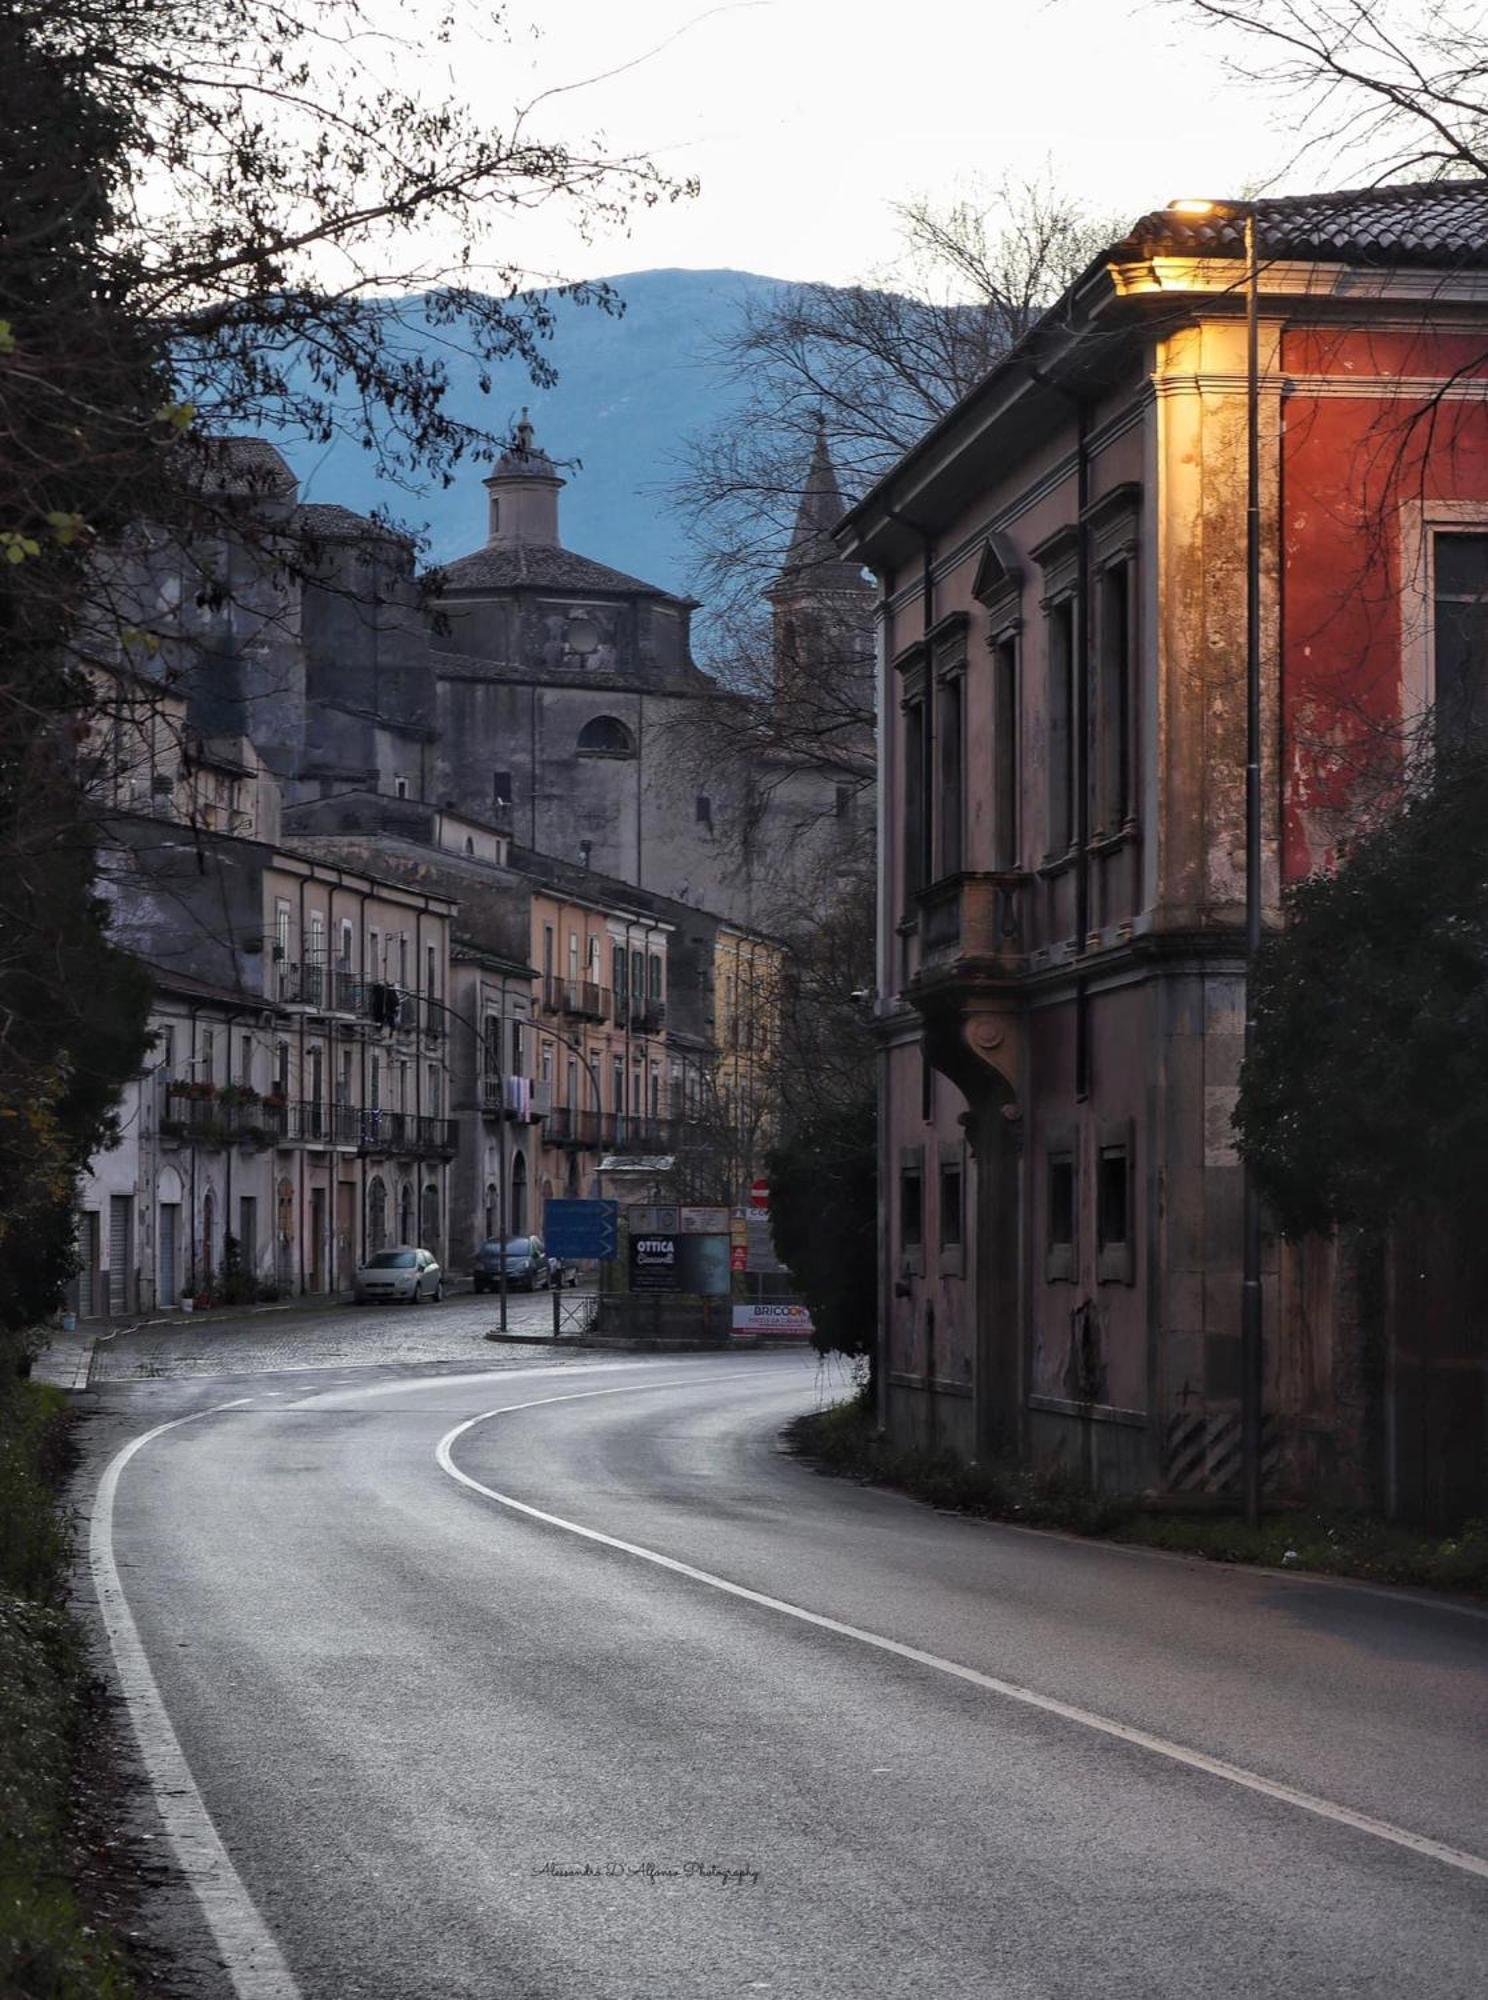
(874, 365)
(1383, 90)
(211, 218)
(860, 372)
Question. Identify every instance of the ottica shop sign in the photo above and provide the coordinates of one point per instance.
(773, 1316)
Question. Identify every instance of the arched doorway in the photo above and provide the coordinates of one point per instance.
(284, 1234)
(208, 1242)
(493, 1209)
(429, 1218)
(376, 1214)
(519, 1195)
(405, 1213)
(573, 1174)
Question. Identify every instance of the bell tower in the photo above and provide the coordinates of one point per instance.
(523, 493)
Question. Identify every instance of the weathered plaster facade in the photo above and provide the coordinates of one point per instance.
(1062, 677)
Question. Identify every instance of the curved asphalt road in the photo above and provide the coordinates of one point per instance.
(414, 1711)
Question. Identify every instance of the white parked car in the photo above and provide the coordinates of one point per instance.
(399, 1274)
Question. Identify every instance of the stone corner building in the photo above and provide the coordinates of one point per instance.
(1061, 565)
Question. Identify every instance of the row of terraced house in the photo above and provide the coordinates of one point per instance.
(372, 1018)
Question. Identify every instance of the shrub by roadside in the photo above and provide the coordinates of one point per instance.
(49, 1950)
(843, 1440)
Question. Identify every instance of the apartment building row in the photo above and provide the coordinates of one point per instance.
(385, 1028)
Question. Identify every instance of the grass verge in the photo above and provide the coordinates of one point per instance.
(49, 1948)
(843, 1440)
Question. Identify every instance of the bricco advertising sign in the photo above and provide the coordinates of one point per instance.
(782, 1319)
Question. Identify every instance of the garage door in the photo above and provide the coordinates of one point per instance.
(120, 1246)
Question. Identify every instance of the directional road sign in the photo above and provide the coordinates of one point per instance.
(574, 1229)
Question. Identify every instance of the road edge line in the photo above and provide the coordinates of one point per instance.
(251, 1959)
(1121, 1732)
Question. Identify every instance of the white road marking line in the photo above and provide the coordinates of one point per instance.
(249, 1953)
(1159, 1746)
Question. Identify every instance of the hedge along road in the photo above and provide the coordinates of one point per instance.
(572, 1684)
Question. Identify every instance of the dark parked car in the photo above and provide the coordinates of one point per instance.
(527, 1264)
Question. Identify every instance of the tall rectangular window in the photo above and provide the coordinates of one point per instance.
(1115, 1230)
(912, 1209)
(951, 816)
(1114, 801)
(951, 1207)
(1005, 753)
(1060, 1212)
(548, 946)
(1061, 650)
(1461, 608)
(914, 799)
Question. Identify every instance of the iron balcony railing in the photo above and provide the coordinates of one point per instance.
(406, 1133)
(642, 1014)
(523, 1099)
(579, 999)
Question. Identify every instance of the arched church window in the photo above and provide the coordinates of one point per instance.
(606, 736)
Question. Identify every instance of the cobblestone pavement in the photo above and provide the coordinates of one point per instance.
(330, 1337)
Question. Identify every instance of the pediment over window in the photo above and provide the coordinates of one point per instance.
(999, 572)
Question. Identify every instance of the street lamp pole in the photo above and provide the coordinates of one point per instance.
(1252, 1352)
(1252, 1329)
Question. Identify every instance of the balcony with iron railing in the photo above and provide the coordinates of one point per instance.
(522, 1099)
(406, 1133)
(643, 1014)
(202, 1114)
(577, 999)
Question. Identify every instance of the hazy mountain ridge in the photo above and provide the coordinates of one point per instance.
(629, 390)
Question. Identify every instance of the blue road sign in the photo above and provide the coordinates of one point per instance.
(581, 1228)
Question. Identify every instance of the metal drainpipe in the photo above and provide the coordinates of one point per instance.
(300, 1172)
(195, 1215)
(1081, 718)
(927, 875)
(1083, 713)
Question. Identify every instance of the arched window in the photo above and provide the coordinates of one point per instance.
(517, 1222)
(405, 1214)
(376, 1213)
(606, 736)
(493, 1209)
(431, 1217)
(286, 1234)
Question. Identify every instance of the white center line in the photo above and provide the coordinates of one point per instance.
(1141, 1739)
